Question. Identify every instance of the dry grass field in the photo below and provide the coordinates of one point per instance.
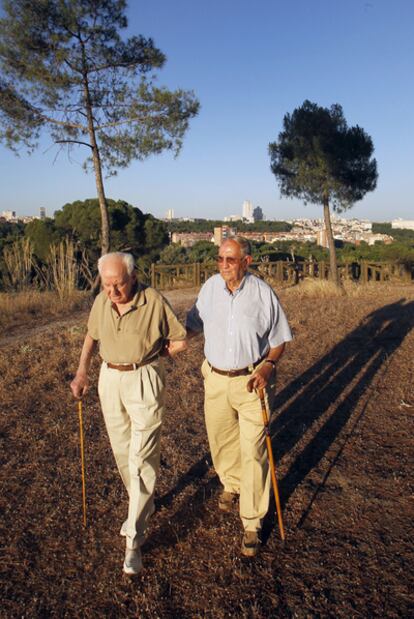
(342, 432)
(23, 308)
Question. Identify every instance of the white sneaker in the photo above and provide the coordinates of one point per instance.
(133, 561)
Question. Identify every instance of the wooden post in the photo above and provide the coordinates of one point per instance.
(279, 270)
(153, 282)
(322, 269)
(346, 271)
(364, 271)
(311, 265)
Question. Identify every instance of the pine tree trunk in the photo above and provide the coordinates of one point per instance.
(105, 239)
(334, 277)
(102, 201)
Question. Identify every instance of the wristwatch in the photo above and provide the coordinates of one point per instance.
(271, 362)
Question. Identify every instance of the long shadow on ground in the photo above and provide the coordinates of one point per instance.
(342, 376)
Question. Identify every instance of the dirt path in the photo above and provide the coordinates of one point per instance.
(342, 432)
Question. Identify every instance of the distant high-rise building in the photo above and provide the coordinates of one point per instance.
(247, 211)
(169, 214)
(42, 212)
(322, 238)
(258, 214)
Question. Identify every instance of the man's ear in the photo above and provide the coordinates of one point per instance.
(249, 260)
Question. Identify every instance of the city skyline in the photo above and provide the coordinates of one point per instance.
(263, 61)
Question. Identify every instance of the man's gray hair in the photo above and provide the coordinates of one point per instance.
(127, 259)
(244, 244)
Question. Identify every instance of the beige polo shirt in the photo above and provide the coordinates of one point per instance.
(139, 334)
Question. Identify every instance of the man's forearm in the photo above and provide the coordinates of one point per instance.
(80, 383)
(262, 374)
(88, 348)
(274, 354)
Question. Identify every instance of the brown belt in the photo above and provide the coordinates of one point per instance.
(233, 373)
(128, 367)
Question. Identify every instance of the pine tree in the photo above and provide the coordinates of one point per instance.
(321, 160)
(66, 69)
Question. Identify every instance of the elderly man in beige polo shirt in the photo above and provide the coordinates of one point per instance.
(135, 327)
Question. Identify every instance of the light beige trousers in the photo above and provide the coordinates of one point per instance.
(133, 406)
(237, 442)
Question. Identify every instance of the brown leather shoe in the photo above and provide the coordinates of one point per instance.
(250, 544)
(226, 501)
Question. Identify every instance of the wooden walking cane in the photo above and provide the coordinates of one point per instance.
(82, 461)
(271, 462)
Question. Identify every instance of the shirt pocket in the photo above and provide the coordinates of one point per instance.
(254, 319)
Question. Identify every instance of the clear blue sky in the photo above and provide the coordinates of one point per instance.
(249, 63)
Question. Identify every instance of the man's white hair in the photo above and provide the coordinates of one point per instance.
(244, 244)
(126, 259)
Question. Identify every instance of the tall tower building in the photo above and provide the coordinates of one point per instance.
(322, 238)
(42, 212)
(258, 214)
(247, 211)
(170, 214)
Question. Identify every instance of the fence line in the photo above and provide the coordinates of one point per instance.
(165, 276)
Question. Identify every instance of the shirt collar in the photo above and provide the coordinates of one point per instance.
(139, 297)
(240, 287)
(137, 300)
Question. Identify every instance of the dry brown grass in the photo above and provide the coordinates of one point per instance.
(325, 289)
(28, 307)
(342, 434)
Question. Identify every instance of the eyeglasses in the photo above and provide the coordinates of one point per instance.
(231, 261)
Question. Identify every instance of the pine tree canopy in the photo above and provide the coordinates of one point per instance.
(319, 159)
(65, 67)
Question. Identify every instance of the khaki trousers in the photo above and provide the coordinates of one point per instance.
(133, 406)
(237, 442)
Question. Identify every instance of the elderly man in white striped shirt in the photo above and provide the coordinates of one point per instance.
(245, 331)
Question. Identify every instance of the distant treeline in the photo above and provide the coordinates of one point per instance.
(399, 234)
(79, 223)
(147, 238)
(203, 251)
(208, 225)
